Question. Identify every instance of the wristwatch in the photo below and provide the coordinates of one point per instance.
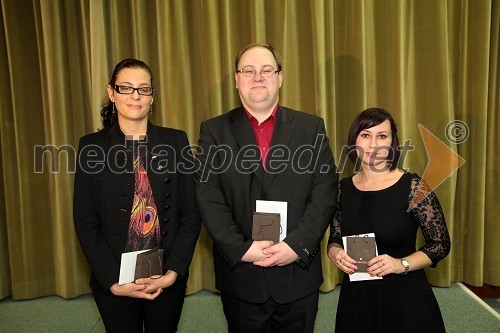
(406, 265)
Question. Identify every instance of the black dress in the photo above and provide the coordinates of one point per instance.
(397, 303)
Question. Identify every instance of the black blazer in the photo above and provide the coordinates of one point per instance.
(231, 178)
(103, 197)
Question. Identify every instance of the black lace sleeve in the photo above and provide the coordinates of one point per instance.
(426, 209)
(335, 232)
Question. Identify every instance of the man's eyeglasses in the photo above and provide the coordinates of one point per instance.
(145, 91)
(250, 72)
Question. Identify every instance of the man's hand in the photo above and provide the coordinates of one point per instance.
(256, 251)
(279, 254)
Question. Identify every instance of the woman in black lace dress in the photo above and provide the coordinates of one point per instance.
(393, 204)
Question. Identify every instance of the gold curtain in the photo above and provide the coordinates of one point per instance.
(429, 62)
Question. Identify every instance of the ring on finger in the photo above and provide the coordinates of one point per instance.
(382, 262)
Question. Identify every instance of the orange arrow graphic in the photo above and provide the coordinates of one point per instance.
(442, 163)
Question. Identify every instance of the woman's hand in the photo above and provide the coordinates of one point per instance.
(384, 264)
(342, 260)
(153, 285)
(133, 290)
(147, 288)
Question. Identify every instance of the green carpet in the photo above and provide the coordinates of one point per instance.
(462, 312)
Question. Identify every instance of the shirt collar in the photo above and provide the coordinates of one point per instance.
(273, 114)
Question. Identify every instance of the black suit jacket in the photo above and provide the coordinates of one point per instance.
(300, 170)
(104, 193)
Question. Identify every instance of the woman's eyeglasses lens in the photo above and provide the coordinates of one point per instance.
(145, 91)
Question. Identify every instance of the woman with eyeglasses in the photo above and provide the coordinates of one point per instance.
(133, 191)
(392, 204)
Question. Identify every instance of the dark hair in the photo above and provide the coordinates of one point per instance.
(367, 119)
(254, 45)
(109, 117)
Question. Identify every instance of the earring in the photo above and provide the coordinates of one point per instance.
(114, 111)
(151, 110)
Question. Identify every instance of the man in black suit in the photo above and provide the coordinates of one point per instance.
(263, 151)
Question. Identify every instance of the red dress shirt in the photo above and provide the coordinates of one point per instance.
(263, 133)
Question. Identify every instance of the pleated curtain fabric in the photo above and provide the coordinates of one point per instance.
(429, 62)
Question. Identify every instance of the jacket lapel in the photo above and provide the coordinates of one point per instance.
(243, 132)
(160, 163)
(283, 131)
(118, 162)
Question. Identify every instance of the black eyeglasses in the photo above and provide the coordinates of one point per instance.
(127, 90)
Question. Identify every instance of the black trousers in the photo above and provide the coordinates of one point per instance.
(298, 316)
(126, 314)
